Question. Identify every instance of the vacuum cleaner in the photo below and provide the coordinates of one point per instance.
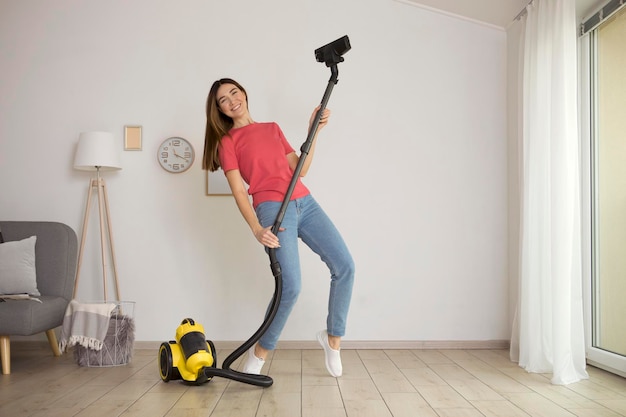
(191, 357)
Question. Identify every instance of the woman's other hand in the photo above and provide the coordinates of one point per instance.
(323, 119)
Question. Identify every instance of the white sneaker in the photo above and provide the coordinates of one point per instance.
(253, 364)
(333, 357)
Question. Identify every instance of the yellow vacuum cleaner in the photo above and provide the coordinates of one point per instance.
(188, 356)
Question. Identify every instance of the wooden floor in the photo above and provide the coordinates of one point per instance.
(377, 383)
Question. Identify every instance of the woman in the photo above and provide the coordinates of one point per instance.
(257, 154)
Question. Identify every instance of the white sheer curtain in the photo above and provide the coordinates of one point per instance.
(548, 332)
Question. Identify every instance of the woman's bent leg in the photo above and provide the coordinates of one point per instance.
(320, 234)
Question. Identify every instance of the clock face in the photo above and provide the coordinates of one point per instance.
(176, 154)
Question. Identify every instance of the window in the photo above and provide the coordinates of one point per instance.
(608, 183)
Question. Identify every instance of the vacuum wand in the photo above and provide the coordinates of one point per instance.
(331, 54)
(304, 149)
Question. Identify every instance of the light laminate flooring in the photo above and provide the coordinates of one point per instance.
(376, 383)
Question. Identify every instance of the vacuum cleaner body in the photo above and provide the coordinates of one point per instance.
(188, 356)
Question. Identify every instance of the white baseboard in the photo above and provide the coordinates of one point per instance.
(369, 344)
(310, 344)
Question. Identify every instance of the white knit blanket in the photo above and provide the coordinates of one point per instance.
(85, 324)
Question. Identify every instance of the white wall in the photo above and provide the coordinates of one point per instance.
(514, 92)
(412, 168)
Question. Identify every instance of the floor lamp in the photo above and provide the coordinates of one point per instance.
(97, 151)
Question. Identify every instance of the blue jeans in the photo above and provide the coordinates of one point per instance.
(306, 220)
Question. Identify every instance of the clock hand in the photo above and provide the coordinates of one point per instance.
(181, 157)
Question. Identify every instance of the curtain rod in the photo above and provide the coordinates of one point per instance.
(606, 11)
(523, 11)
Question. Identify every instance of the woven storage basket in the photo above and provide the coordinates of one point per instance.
(118, 345)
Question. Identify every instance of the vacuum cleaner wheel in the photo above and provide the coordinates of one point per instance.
(167, 370)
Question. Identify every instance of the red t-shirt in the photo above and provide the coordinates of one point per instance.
(259, 151)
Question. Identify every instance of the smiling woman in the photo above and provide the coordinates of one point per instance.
(259, 161)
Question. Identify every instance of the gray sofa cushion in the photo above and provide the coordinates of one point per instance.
(27, 317)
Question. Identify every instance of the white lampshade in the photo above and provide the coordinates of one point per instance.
(97, 149)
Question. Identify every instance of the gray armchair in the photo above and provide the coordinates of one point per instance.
(56, 252)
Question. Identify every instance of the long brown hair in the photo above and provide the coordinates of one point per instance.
(217, 125)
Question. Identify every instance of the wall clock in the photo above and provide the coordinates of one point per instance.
(176, 154)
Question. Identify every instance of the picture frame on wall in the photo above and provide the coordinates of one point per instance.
(217, 184)
(132, 138)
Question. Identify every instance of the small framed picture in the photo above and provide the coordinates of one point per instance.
(132, 138)
(217, 184)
